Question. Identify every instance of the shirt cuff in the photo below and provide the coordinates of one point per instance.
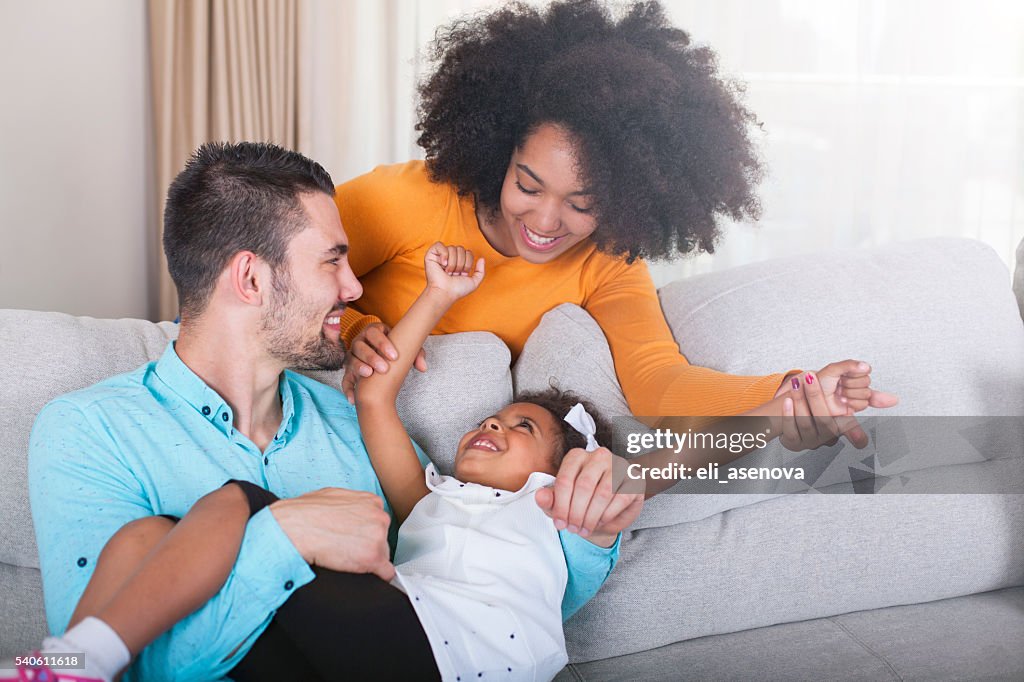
(268, 563)
(352, 324)
(588, 557)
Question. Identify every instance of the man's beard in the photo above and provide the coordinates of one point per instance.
(283, 325)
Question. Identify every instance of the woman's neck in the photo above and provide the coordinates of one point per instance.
(492, 226)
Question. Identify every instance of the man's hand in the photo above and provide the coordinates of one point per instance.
(372, 351)
(343, 530)
(583, 501)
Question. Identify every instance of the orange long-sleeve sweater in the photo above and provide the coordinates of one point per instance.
(392, 216)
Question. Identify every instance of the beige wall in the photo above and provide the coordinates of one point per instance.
(74, 157)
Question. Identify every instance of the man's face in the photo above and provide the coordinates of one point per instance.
(310, 291)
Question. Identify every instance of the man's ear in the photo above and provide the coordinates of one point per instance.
(249, 277)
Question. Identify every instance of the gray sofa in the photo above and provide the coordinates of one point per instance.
(709, 587)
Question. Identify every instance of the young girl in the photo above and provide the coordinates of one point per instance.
(480, 563)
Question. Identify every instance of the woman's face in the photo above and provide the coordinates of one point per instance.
(545, 208)
(509, 446)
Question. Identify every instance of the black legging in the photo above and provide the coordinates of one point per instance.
(338, 626)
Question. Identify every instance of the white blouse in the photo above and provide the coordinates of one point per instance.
(486, 573)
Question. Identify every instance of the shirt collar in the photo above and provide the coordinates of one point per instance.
(207, 402)
(287, 406)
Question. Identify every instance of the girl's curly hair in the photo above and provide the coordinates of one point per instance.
(662, 139)
(558, 403)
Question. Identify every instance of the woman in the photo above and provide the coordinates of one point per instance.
(564, 146)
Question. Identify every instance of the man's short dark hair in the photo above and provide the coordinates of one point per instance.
(232, 198)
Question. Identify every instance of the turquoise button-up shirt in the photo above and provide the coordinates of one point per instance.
(154, 441)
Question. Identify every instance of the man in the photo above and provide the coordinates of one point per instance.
(258, 255)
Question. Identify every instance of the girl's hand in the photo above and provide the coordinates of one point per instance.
(845, 389)
(450, 269)
(371, 352)
(812, 417)
(849, 384)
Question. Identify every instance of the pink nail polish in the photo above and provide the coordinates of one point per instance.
(796, 384)
(810, 379)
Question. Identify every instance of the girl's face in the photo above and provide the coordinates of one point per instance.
(545, 208)
(509, 446)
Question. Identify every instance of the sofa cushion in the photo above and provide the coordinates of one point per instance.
(568, 350)
(934, 317)
(23, 625)
(976, 637)
(799, 557)
(43, 355)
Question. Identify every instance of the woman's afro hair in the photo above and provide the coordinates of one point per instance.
(662, 139)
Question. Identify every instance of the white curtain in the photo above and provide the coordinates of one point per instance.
(885, 120)
(363, 61)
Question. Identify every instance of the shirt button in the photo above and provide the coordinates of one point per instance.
(206, 410)
(224, 416)
(289, 585)
(82, 561)
(266, 460)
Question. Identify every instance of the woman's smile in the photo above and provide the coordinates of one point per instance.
(537, 241)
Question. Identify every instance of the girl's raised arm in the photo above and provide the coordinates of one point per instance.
(450, 276)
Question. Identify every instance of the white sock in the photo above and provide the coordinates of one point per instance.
(105, 653)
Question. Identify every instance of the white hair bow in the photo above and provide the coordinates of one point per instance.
(580, 420)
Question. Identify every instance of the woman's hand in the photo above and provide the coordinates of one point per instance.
(371, 352)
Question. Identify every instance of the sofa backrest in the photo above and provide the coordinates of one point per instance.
(935, 318)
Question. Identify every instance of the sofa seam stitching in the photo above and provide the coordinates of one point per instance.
(731, 290)
(600, 336)
(867, 648)
(574, 671)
